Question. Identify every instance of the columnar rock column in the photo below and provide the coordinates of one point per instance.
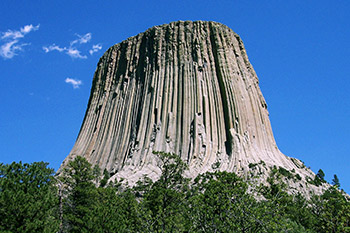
(186, 88)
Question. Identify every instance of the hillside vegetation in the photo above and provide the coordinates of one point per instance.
(33, 199)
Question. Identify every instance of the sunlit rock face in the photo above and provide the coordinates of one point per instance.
(186, 88)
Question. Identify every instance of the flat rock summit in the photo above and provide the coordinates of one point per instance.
(187, 88)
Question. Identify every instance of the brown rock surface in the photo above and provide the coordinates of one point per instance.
(187, 88)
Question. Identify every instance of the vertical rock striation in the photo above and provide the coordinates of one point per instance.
(187, 88)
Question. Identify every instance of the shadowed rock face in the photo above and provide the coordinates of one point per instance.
(187, 88)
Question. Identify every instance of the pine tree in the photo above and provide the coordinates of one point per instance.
(334, 212)
(28, 198)
(81, 196)
(335, 181)
(117, 212)
(163, 203)
(320, 174)
(319, 178)
(105, 178)
(220, 203)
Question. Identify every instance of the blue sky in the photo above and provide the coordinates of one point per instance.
(299, 49)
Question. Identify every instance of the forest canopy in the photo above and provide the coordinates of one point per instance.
(33, 199)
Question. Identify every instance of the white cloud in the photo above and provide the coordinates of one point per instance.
(11, 40)
(8, 50)
(72, 50)
(19, 34)
(75, 82)
(95, 48)
(53, 48)
(12, 35)
(28, 28)
(82, 39)
(74, 53)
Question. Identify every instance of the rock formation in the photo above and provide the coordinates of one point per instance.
(184, 87)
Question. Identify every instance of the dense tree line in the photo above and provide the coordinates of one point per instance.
(32, 199)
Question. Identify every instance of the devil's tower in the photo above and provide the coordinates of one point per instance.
(187, 88)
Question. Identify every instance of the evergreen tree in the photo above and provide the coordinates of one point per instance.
(80, 196)
(105, 178)
(214, 202)
(332, 211)
(335, 181)
(164, 203)
(319, 178)
(220, 203)
(117, 212)
(28, 198)
(286, 212)
(320, 174)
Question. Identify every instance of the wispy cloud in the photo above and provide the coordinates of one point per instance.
(82, 39)
(11, 39)
(75, 82)
(28, 28)
(53, 48)
(95, 48)
(20, 33)
(73, 50)
(75, 53)
(8, 50)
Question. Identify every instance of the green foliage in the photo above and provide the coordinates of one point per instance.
(285, 173)
(96, 171)
(318, 180)
(297, 176)
(280, 171)
(212, 202)
(291, 210)
(335, 181)
(105, 178)
(333, 212)
(251, 165)
(320, 174)
(219, 203)
(164, 201)
(28, 198)
(80, 197)
(116, 212)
